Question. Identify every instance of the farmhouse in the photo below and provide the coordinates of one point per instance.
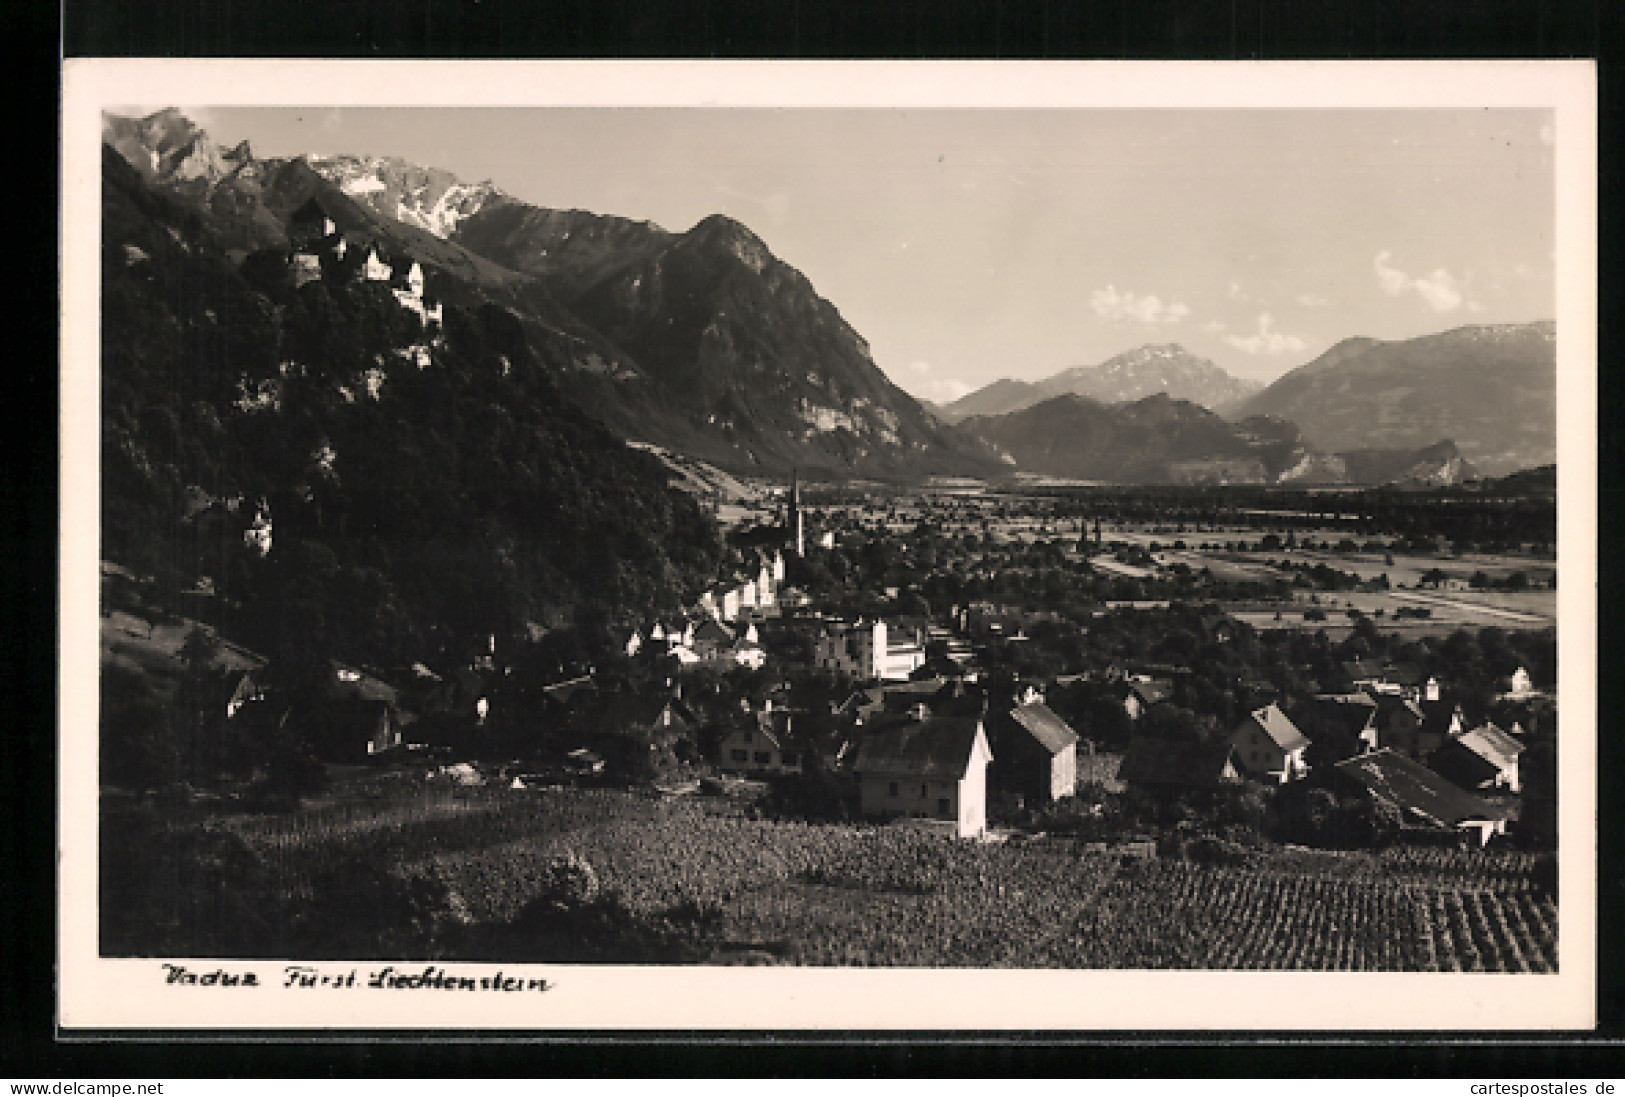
(712, 638)
(1484, 757)
(760, 744)
(1037, 751)
(1145, 692)
(934, 768)
(1399, 720)
(358, 720)
(1423, 796)
(1344, 724)
(1440, 721)
(1162, 766)
(1270, 746)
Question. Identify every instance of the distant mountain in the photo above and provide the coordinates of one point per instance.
(1154, 440)
(1160, 440)
(1168, 369)
(999, 398)
(1532, 483)
(1490, 389)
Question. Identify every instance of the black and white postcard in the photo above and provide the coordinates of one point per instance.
(835, 546)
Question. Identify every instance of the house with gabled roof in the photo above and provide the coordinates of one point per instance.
(711, 638)
(1399, 720)
(1440, 721)
(934, 768)
(1269, 746)
(1037, 751)
(1484, 757)
(1145, 692)
(1164, 766)
(1422, 796)
(1351, 718)
(760, 743)
(1364, 673)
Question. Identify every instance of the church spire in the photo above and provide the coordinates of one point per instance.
(797, 528)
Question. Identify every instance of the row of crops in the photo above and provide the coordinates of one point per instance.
(862, 895)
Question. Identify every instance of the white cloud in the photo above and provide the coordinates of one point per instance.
(942, 391)
(920, 366)
(1150, 309)
(1312, 301)
(774, 205)
(1266, 340)
(1235, 292)
(1214, 325)
(1442, 291)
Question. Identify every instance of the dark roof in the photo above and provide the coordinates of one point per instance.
(917, 690)
(1406, 674)
(1364, 668)
(618, 711)
(863, 700)
(563, 691)
(1413, 787)
(1390, 706)
(1339, 713)
(773, 726)
(1436, 715)
(938, 747)
(1275, 725)
(1152, 692)
(1051, 732)
(713, 631)
(1177, 763)
(364, 687)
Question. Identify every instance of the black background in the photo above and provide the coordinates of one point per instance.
(907, 29)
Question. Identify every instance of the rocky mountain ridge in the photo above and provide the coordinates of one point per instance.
(702, 342)
(1165, 441)
(429, 198)
(1167, 368)
(1490, 388)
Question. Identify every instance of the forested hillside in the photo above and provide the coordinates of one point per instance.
(398, 489)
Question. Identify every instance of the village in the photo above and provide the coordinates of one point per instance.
(931, 717)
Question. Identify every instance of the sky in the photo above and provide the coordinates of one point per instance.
(969, 245)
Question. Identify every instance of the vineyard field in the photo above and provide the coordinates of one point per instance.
(826, 894)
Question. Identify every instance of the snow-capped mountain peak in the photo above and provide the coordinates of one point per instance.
(429, 198)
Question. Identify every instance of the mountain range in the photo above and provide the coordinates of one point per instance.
(1491, 389)
(703, 343)
(1161, 440)
(1168, 369)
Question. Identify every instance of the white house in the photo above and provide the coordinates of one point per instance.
(1520, 687)
(934, 768)
(1484, 757)
(374, 269)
